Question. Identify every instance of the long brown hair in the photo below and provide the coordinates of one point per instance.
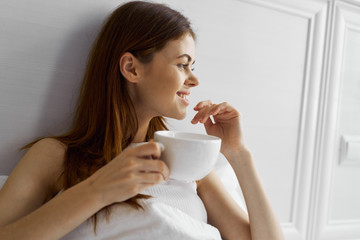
(105, 122)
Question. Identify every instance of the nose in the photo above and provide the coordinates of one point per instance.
(192, 81)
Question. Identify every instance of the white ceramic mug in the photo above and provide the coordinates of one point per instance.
(189, 156)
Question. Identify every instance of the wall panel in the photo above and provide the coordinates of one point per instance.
(335, 208)
(271, 59)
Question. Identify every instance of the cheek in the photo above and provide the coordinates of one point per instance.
(163, 85)
(170, 83)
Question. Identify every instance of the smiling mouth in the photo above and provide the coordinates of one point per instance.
(183, 96)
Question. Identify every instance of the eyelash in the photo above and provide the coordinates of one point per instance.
(184, 66)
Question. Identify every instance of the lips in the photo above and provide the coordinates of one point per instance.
(184, 96)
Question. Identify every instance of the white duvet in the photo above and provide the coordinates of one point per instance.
(160, 219)
(156, 221)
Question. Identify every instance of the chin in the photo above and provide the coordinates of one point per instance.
(182, 117)
(179, 116)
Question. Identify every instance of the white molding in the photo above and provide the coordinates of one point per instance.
(345, 159)
(353, 27)
(305, 9)
(351, 2)
(344, 222)
(328, 134)
(315, 12)
(307, 133)
(348, 231)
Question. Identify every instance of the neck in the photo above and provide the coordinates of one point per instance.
(143, 125)
(142, 131)
(143, 116)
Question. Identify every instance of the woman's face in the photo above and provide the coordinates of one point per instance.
(165, 82)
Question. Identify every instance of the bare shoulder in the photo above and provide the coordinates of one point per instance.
(39, 169)
(47, 154)
(46, 159)
(33, 181)
(50, 146)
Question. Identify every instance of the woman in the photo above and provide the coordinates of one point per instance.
(139, 70)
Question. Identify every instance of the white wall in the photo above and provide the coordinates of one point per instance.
(289, 66)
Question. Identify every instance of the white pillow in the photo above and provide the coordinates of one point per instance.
(2, 180)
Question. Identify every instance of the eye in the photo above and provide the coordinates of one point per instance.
(183, 66)
(186, 66)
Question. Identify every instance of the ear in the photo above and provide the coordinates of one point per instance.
(129, 67)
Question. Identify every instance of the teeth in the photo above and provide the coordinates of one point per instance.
(183, 96)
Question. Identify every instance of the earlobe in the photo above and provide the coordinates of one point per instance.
(128, 67)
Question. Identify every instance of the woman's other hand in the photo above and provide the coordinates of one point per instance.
(226, 124)
(129, 173)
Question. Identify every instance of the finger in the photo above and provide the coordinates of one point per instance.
(216, 109)
(203, 104)
(220, 109)
(152, 149)
(151, 178)
(208, 123)
(199, 115)
(204, 114)
(162, 147)
(155, 166)
(225, 111)
(210, 111)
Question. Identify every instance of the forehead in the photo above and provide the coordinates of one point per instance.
(174, 48)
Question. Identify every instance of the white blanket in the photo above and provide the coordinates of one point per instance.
(159, 219)
(156, 221)
(2, 180)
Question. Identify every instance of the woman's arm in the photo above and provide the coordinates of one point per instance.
(23, 214)
(227, 216)
(262, 221)
(32, 182)
(57, 217)
(223, 212)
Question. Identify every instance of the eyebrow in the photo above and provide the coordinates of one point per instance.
(188, 57)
